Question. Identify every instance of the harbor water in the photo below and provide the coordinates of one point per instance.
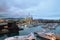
(27, 31)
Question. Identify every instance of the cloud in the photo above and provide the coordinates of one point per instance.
(37, 8)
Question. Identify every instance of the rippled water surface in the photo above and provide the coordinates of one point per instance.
(29, 30)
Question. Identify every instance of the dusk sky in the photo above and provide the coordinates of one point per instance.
(46, 9)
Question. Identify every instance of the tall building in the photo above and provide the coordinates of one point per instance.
(28, 18)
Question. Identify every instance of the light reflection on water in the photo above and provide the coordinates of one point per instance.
(29, 30)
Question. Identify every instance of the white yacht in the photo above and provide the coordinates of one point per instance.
(25, 37)
(47, 35)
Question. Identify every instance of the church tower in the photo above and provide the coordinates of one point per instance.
(28, 18)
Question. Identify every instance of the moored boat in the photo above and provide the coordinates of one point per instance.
(49, 36)
(25, 37)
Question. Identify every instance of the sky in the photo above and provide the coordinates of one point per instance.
(45, 9)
